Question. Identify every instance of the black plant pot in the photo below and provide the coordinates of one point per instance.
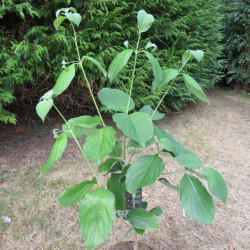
(129, 199)
(129, 202)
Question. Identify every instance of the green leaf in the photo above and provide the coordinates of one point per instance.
(75, 193)
(160, 133)
(139, 231)
(117, 150)
(81, 126)
(96, 216)
(196, 201)
(190, 54)
(168, 184)
(142, 219)
(134, 144)
(198, 54)
(115, 99)
(74, 18)
(181, 154)
(59, 11)
(188, 159)
(144, 204)
(79, 132)
(98, 64)
(151, 45)
(138, 126)
(56, 152)
(58, 21)
(171, 146)
(168, 75)
(85, 121)
(116, 166)
(157, 70)
(143, 172)
(99, 144)
(64, 79)
(144, 20)
(118, 63)
(186, 57)
(216, 184)
(106, 166)
(148, 110)
(118, 188)
(157, 211)
(43, 108)
(195, 88)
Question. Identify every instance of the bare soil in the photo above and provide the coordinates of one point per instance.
(219, 134)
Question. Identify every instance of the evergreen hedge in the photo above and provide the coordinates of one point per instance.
(237, 43)
(32, 49)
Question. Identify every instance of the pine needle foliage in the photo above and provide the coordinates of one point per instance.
(33, 50)
(237, 43)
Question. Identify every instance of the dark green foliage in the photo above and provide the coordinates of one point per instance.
(237, 43)
(33, 50)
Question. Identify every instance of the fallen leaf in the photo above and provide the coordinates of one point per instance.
(171, 218)
(19, 129)
(57, 185)
(221, 205)
(175, 241)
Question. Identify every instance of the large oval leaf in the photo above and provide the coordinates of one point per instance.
(115, 99)
(99, 144)
(56, 152)
(118, 63)
(181, 154)
(168, 75)
(135, 144)
(143, 172)
(117, 187)
(216, 184)
(75, 193)
(144, 20)
(43, 108)
(189, 54)
(196, 201)
(148, 110)
(74, 18)
(64, 79)
(188, 159)
(195, 88)
(96, 216)
(78, 132)
(138, 126)
(85, 121)
(142, 219)
(157, 70)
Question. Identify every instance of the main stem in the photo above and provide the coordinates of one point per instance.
(79, 146)
(133, 73)
(85, 76)
(169, 86)
(130, 92)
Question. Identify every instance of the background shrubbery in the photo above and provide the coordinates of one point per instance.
(32, 51)
(237, 43)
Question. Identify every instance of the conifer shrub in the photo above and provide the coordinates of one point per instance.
(32, 48)
(237, 43)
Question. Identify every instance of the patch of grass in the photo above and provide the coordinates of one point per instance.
(3, 208)
(2, 177)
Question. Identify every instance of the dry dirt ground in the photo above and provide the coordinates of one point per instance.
(220, 136)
